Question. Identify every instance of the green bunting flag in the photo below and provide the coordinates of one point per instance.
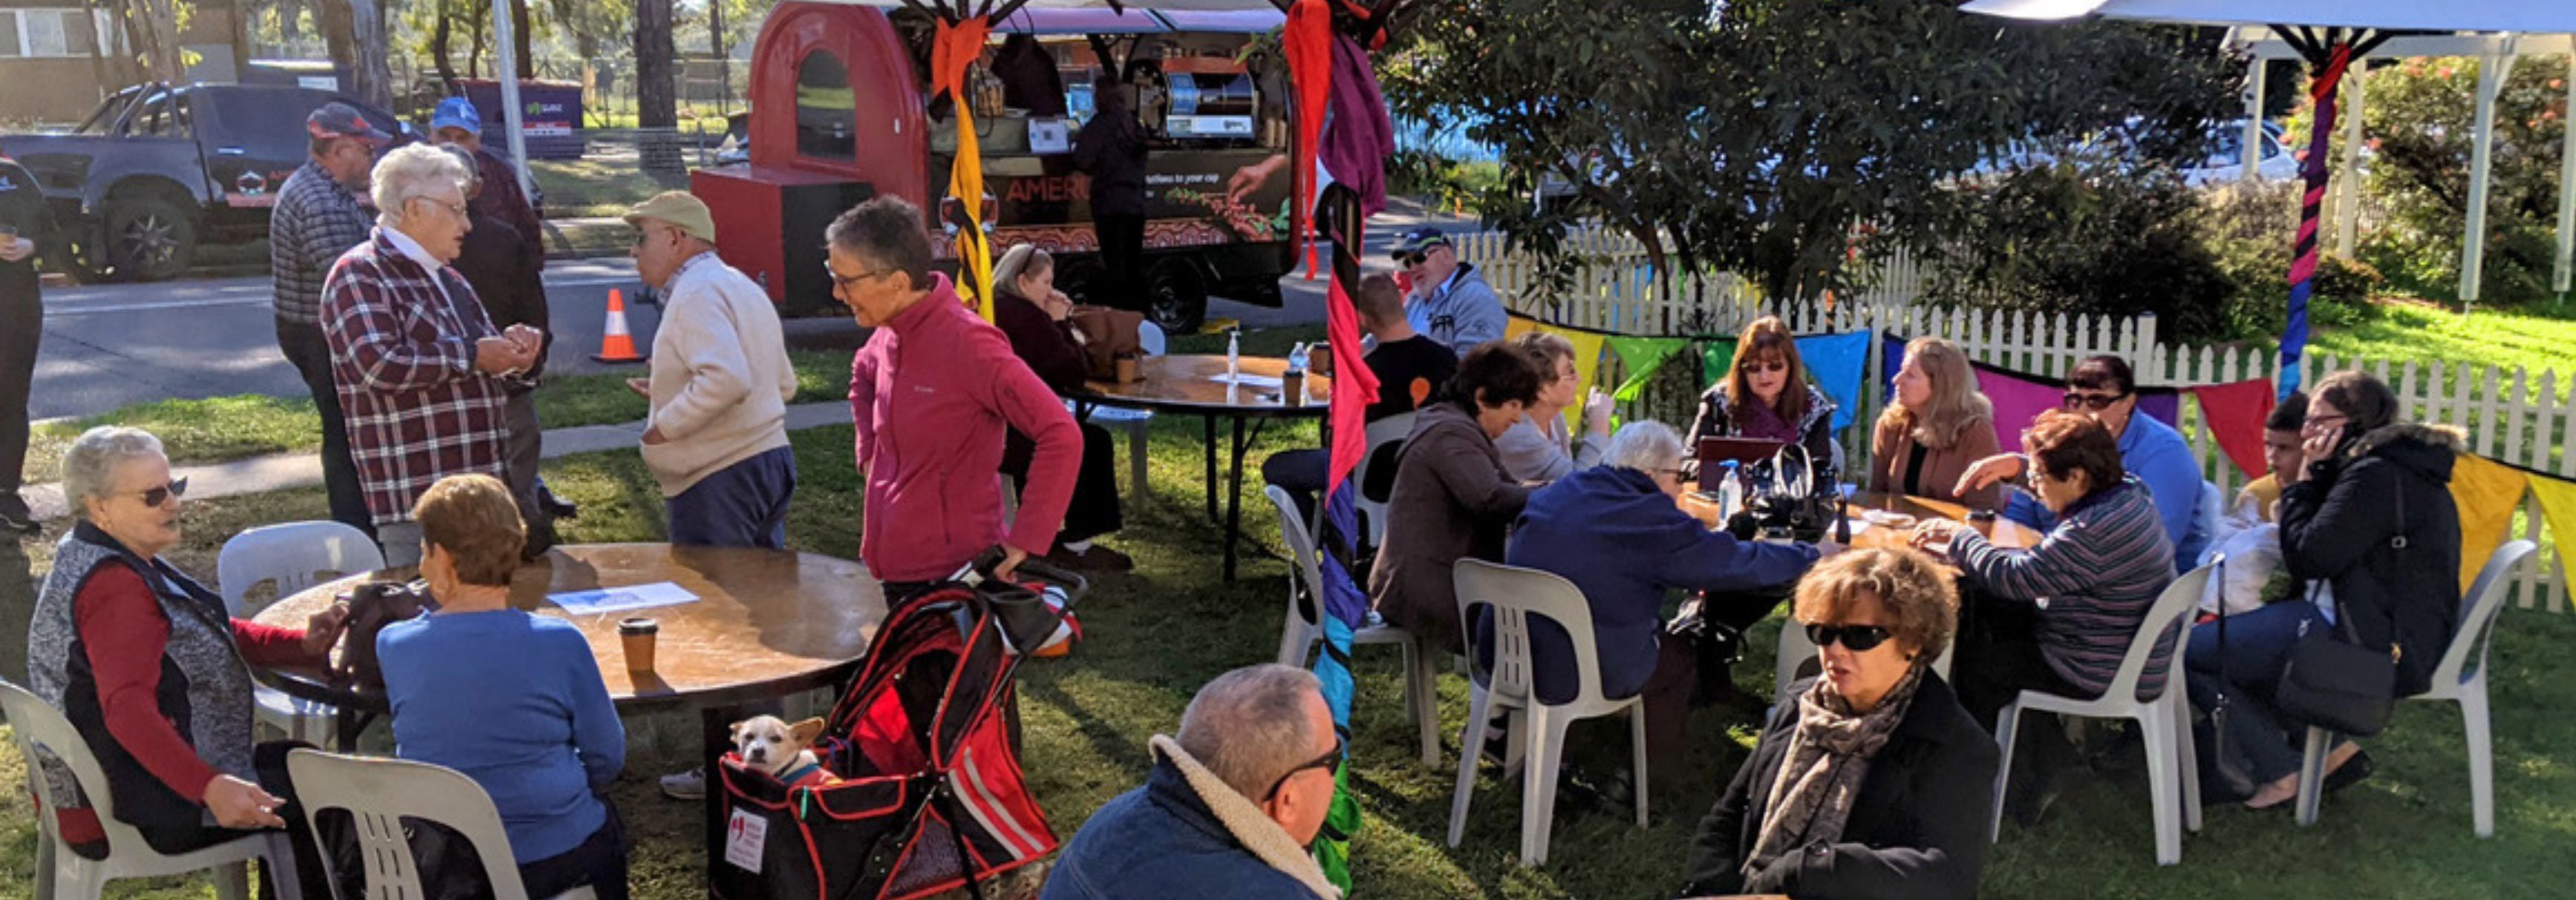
(1715, 357)
(1643, 357)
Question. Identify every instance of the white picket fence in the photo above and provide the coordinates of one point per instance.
(2514, 416)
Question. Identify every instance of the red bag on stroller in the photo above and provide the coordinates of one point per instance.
(931, 795)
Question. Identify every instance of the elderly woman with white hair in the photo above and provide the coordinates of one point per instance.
(423, 376)
(148, 666)
(1617, 531)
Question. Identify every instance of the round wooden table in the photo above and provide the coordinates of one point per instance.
(2005, 533)
(766, 624)
(1194, 385)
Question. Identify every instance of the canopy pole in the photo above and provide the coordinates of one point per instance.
(2473, 248)
(2567, 191)
(506, 65)
(2332, 56)
(2348, 189)
(2252, 146)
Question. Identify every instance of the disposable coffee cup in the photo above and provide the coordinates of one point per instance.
(638, 634)
(1292, 386)
(1127, 371)
(1983, 520)
(1319, 358)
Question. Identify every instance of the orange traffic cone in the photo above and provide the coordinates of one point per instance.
(616, 344)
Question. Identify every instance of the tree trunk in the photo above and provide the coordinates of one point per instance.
(724, 65)
(372, 71)
(339, 36)
(438, 45)
(243, 11)
(479, 31)
(520, 34)
(657, 108)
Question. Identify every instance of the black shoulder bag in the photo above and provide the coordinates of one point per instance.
(2228, 768)
(2336, 683)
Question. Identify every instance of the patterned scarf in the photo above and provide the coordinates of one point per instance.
(1821, 774)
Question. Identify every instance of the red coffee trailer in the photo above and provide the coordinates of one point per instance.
(841, 112)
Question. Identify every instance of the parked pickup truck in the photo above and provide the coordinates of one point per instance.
(159, 169)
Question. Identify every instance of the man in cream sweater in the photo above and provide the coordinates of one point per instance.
(717, 436)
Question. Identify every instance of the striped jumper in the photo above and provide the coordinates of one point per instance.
(2093, 578)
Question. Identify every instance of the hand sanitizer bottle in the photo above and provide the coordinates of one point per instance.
(1233, 354)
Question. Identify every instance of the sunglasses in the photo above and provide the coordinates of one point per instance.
(175, 489)
(1325, 761)
(1764, 368)
(1855, 638)
(1410, 260)
(2094, 402)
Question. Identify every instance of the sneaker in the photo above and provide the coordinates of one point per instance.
(14, 515)
(689, 785)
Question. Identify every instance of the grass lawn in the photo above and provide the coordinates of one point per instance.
(2535, 337)
(221, 429)
(1155, 635)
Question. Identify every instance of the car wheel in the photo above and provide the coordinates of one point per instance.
(149, 239)
(1079, 277)
(1176, 297)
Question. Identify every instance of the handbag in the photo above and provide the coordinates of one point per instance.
(1784, 498)
(2336, 683)
(2226, 762)
(1107, 335)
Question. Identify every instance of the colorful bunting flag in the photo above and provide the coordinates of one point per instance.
(1838, 363)
(2235, 413)
(2487, 493)
(2558, 505)
(1716, 356)
(1644, 357)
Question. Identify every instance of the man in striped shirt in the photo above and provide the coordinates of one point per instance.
(317, 218)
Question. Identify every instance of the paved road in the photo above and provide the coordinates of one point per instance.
(107, 346)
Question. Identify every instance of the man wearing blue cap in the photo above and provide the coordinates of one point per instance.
(317, 218)
(458, 122)
(1450, 303)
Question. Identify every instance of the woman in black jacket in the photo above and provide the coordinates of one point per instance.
(1038, 320)
(1873, 783)
(2371, 515)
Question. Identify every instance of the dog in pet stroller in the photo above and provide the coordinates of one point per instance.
(930, 793)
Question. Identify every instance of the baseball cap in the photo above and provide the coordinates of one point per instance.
(337, 120)
(677, 209)
(1419, 240)
(456, 112)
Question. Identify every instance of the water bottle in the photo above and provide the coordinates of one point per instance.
(1233, 354)
(1730, 491)
(1297, 357)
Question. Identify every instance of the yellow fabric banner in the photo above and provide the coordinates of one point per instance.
(1587, 361)
(2487, 494)
(2558, 504)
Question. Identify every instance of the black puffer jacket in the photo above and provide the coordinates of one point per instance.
(2342, 523)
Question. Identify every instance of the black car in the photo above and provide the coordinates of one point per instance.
(158, 169)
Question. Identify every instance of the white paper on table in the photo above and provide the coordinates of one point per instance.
(1857, 525)
(1246, 380)
(622, 599)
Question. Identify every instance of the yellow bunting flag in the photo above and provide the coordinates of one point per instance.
(2487, 494)
(2558, 504)
(1587, 371)
(1515, 326)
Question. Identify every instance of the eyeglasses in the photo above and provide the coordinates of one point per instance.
(457, 208)
(1409, 260)
(2323, 421)
(842, 282)
(2096, 402)
(1765, 368)
(178, 487)
(1855, 638)
(1325, 761)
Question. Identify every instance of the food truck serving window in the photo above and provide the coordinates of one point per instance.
(826, 112)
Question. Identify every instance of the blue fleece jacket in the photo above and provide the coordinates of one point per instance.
(1460, 313)
(1613, 533)
(2155, 454)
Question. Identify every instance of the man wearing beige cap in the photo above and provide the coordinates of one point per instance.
(717, 436)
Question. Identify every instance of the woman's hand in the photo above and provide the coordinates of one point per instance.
(1057, 305)
(1999, 467)
(2318, 449)
(322, 629)
(241, 804)
(1933, 531)
(17, 250)
(1596, 413)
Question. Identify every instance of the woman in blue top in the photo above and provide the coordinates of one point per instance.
(512, 700)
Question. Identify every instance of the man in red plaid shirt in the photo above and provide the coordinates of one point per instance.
(421, 372)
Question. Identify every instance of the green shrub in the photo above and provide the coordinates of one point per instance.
(2250, 226)
(2087, 238)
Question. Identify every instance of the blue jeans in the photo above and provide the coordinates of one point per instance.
(741, 505)
(2248, 671)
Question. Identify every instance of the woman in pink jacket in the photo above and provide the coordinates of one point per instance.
(932, 394)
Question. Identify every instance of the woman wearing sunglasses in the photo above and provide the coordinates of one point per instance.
(1873, 782)
(2058, 617)
(148, 665)
(1765, 395)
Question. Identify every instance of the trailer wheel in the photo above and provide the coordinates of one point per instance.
(1079, 277)
(1177, 297)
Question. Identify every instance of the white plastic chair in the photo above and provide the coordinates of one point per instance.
(2173, 776)
(290, 555)
(64, 875)
(1133, 421)
(1796, 650)
(2453, 681)
(1390, 430)
(1304, 627)
(1515, 595)
(379, 793)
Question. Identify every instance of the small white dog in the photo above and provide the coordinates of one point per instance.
(769, 744)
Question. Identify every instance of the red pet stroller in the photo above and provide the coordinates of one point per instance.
(931, 794)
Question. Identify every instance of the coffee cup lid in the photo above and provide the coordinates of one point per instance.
(638, 625)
